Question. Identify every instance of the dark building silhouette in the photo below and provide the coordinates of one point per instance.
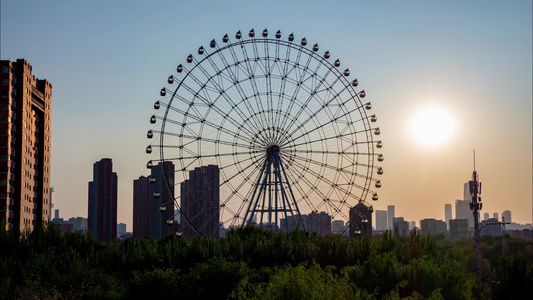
(142, 193)
(459, 229)
(161, 214)
(200, 201)
(361, 221)
(25, 127)
(103, 201)
(432, 226)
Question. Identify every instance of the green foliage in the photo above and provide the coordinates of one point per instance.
(251, 263)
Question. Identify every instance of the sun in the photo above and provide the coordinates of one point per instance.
(432, 126)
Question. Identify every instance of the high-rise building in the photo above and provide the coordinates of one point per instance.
(458, 228)
(447, 214)
(360, 221)
(506, 216)
(200, 201)
(121, 229)
(495, 216)
(490, 227)
(462, 211)
(102, 221)
(486, 216)
(319, 223)
(25, 131)
(337, 226)
(381, 220)
(390, 215)
(162, 200)
(400, 227)
(142, 193)
(432, 226)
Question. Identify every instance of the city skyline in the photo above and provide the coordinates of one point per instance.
(471, 59)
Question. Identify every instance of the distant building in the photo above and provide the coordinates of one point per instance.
(447, 214)
(459, 228)
(25, 126)
(490, 227)
(400, 227)
(506, 215)
(412, 225)
(462, 211)
(390, 215)
(495, 216)
(432, 227)
(121, 229)
(161, 214)
(360, 221)
(102, 221)
(319, 223)
(486, 216)
(381, 220)
(200, 201)
(337, 226)
(78, 224)
(142, 193)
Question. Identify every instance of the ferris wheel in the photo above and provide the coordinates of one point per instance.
(264, 129)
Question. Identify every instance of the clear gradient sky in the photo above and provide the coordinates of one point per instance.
(107, 61)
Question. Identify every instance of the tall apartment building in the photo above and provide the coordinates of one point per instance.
(102, 221)
(25, 130)
(447, 214)
(432, 226)
(390, 216)
(506, 216)
(161, 215)
(360, 221)
(142, 193)
(200, 201)
(381, 220)
(400, 227)
(459, 228)
(319, 223)
(462, 211)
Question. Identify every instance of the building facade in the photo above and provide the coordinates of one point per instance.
(161, 214)
(459, 229)
(447, 214)
(390, 216)
(200, 201)
(360, 221)
(102, 215)
(400, 227)
(25, 135)
(506, 216)
(462, 211)
(381, 220)
(142, 194)
(432, 226)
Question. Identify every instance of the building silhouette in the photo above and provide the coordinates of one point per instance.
(161, 214)
(102, 221)
(432, 226)
(200, 201)
(390, 216)
(25, 127)
(459, 228)
(506, 216)
(400, 227)
(381, 220)
(319, 223)
(490, 227)
(337, 226)
(142, 194)
(462, 211)
(447, 214)
(360, 221)
(495, 216)
(486, 216)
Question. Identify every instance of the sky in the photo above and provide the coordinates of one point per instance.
(107, 61)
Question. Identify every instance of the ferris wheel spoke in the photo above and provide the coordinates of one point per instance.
(253, 83)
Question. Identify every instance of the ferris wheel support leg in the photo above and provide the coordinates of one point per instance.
(259, 176)
(292, 195)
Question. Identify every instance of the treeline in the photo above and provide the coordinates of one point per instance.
(251, 263)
